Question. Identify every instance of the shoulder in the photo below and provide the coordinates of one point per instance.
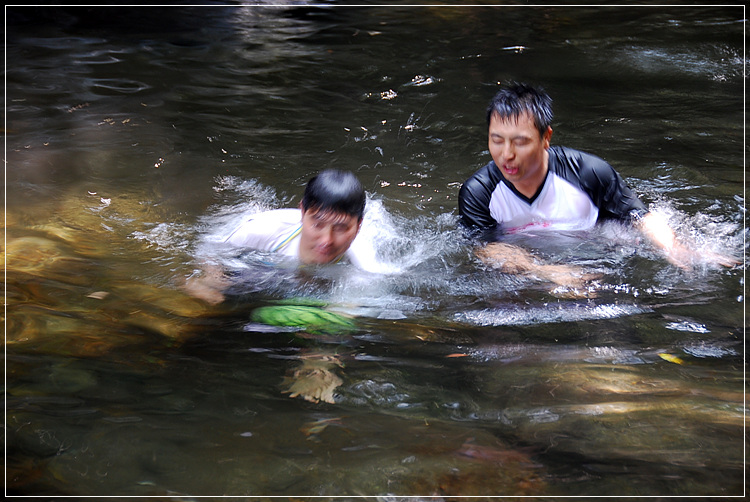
(481, 184)
(475, 195)
(259, 230)
(598, 179)
(363, 253)
(287, 215)
(272, 220)
(581, 168)
(562, 157)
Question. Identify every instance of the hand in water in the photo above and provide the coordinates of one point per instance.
(657, 229)
(208, 287)
(687, 259)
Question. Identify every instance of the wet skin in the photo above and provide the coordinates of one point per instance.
(326, 235)
(519, 151)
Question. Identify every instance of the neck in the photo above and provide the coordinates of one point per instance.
(529, 187)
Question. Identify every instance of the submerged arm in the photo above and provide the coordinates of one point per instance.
(209, 286)
(516, 260)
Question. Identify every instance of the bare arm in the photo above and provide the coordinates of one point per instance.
(657, 230)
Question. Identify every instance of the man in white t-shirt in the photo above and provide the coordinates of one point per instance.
(322, 230)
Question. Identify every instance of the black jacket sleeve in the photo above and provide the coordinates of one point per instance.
(600, 181)
(474, 198)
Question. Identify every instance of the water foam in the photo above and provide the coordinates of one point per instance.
(517, 316)
(431, 267)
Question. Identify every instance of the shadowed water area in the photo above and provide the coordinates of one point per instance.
(137, 137)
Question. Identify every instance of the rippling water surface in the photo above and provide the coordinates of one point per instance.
(136, 136)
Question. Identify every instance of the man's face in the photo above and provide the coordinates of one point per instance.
(519, 151)
(326, 235)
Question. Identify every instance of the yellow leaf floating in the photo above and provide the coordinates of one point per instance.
(671, 358)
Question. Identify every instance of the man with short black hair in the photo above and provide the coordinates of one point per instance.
(530, 184)
(322, 230)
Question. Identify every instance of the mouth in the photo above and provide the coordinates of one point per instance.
(326, 251)
(510, 170)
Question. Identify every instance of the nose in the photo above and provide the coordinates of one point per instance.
(326, 236)
(508, 152)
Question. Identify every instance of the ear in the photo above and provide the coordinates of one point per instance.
(546, 138)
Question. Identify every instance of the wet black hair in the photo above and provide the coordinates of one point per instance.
(516, 99)
(336, 191)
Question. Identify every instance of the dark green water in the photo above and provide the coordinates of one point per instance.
(134, 135)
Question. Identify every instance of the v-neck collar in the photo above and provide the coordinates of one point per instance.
(528, 200)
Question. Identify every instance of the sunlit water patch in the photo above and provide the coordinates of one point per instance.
(544, 314)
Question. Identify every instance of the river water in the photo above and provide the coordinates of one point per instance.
(135, 135)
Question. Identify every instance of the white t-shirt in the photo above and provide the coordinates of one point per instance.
(559, 206)
(279, 230)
